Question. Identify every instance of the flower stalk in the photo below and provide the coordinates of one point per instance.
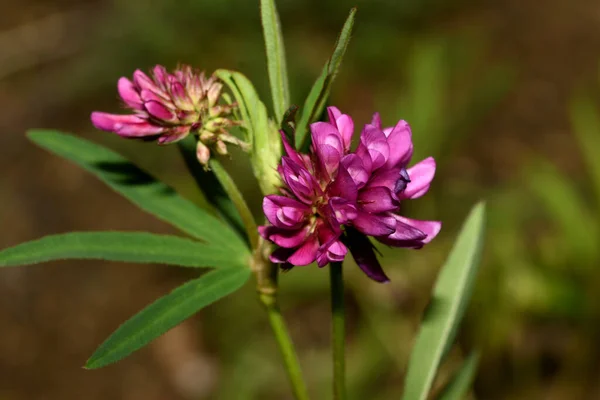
(266, 275)
(338, 330)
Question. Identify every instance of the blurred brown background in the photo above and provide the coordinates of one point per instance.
(503, 93)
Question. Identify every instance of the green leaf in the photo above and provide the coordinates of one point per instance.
(310, 110)
(275, 57)
(238, 200)
(139, 187)
(567, 208)
(424, 104)
(450, 297)
(140, 247)
(458, 388)
(167, 312)
(209, 185)
(263, 135)
(585, 119)
(317, 98)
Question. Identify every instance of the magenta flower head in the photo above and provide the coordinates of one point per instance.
(168, 107)
(334, 198)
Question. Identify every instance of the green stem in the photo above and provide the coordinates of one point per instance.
(266, 285)
(210, 186)
(238, 201)
(338, 330)
(286, 347)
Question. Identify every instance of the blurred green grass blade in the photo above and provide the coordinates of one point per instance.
(461, 382)
(275, 58)
(567, 208)
(585, 119)
(238, 200)
(209, 185)
(317, 98)
(139, 187)
(167, 312)
(424, 105)
(139, 247)
(450, 297)
(263, 135)
(493, 87)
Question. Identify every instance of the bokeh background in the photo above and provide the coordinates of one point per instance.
(505, 95)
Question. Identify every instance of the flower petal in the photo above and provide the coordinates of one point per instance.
(291, 152)
(376, 121)
(160, 76)
(143, 82)
(284, 212)
(356, 169)
(377, 200)
(374, 225)
(159, 111)
(129, 94)
(421, 175)
(343, 123)
(328, 146)
(306, 254)
(343, 185)
(299, 180)
(362, 252)
(411, 233)
(399, 139)
(429, 228)
(149, 95)
(332, 249)
(342, 211)
(383, 177)
(174, 135)
(180, 97)
(283, 237)
(125, 125)
(374, 144)
(334, 113)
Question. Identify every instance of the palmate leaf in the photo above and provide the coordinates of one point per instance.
(140, 247)
(275, 58)
(450, 297)
(139, 187)
(167, 312)
(459, 386)
(317, 97)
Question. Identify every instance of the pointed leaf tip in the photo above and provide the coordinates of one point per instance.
(167, 312)
(319, 92)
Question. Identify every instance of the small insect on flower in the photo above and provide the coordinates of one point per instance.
(168, 107)
(334, 198)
